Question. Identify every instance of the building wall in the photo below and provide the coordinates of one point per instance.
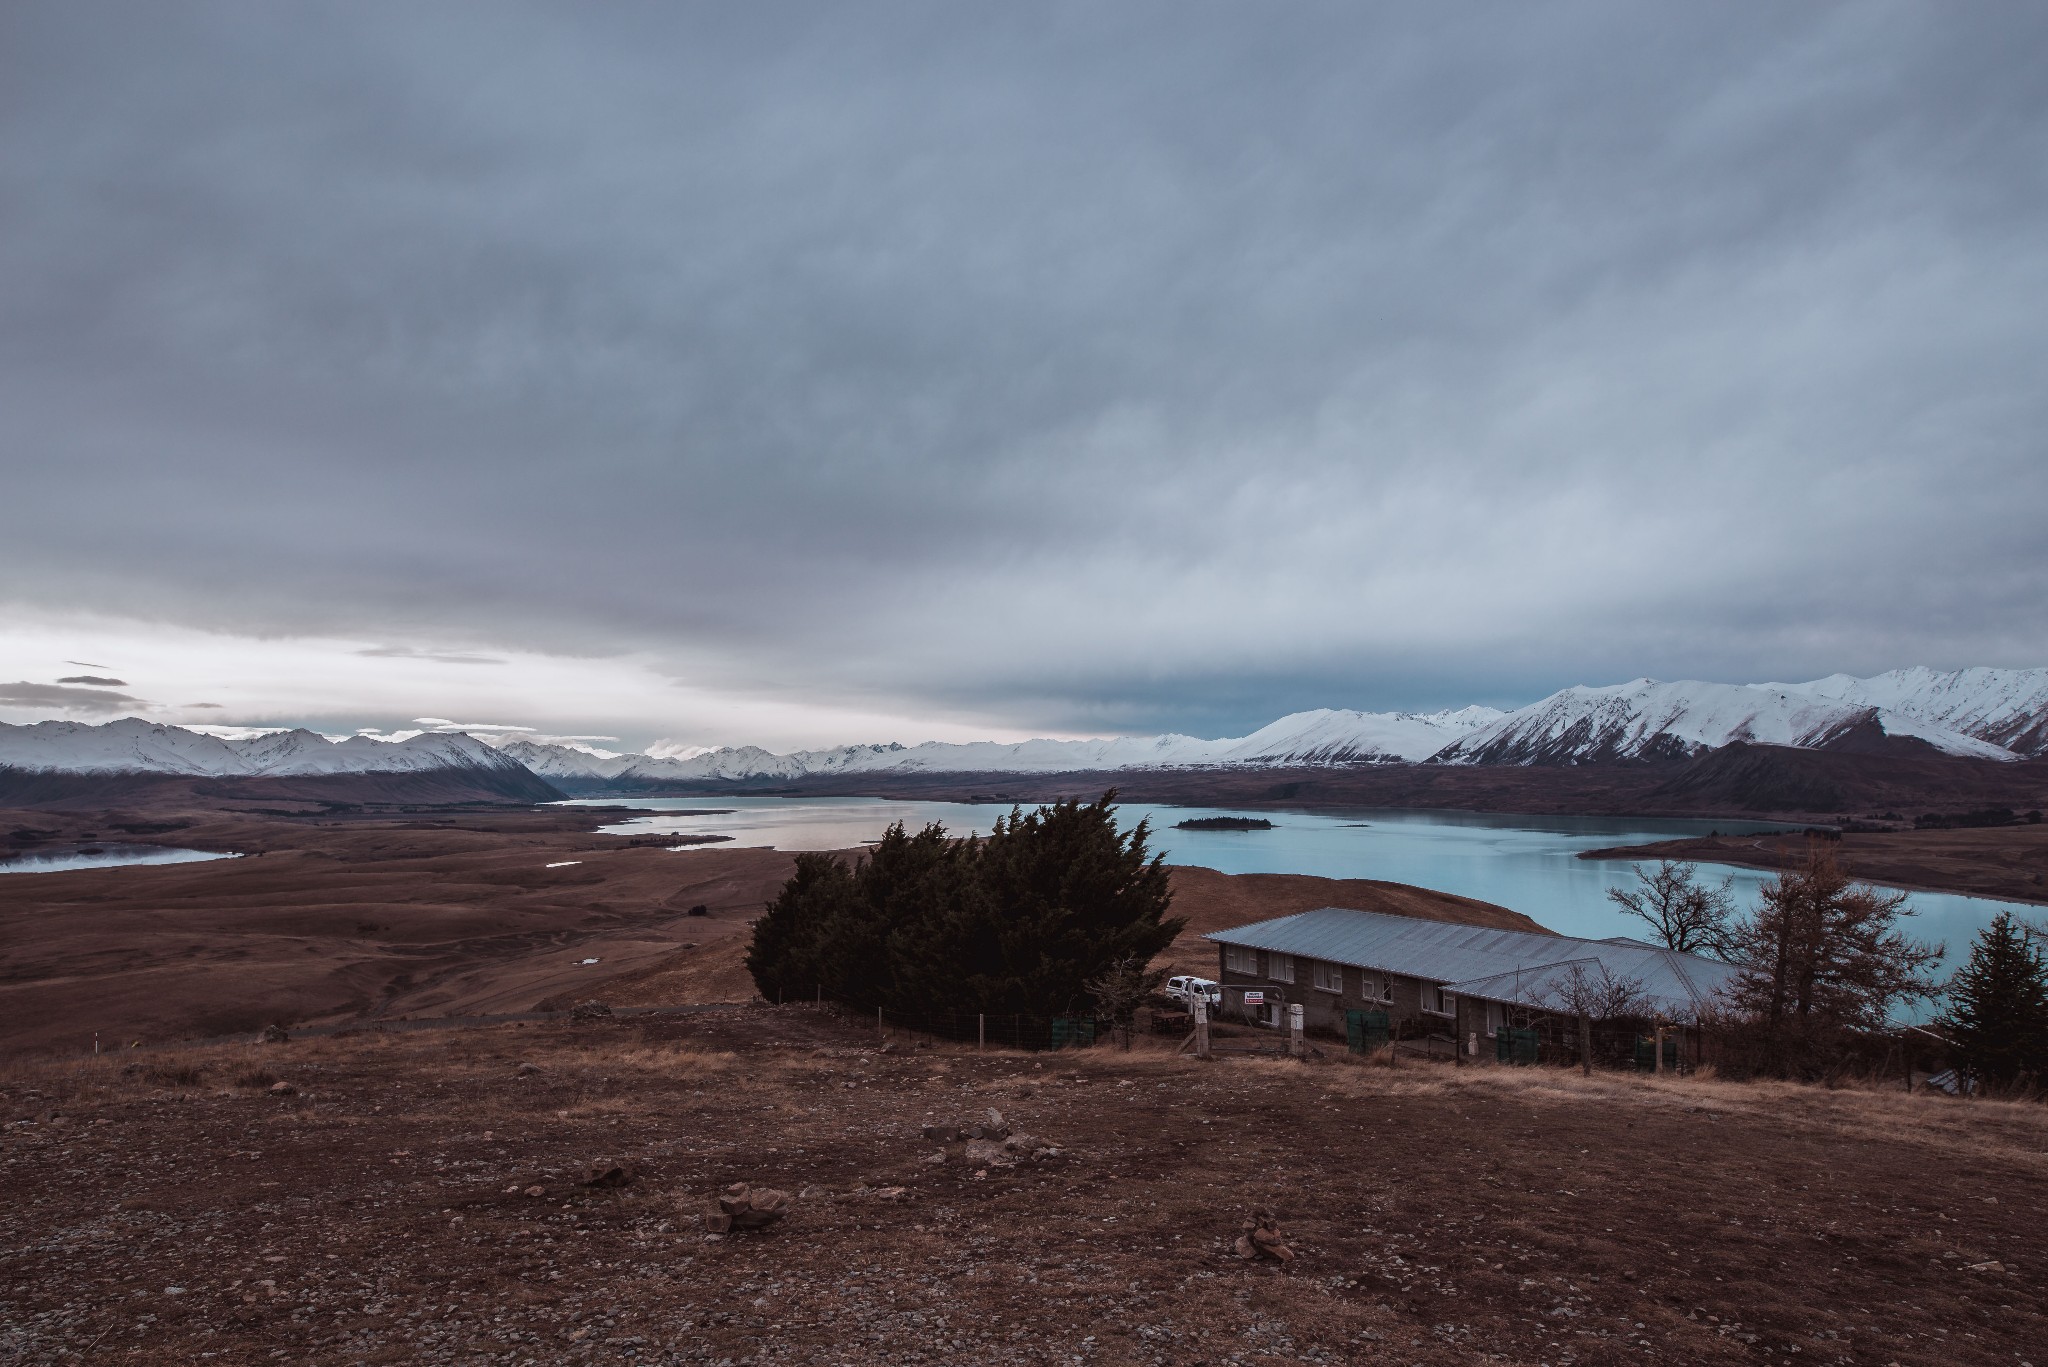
(1323, 1009)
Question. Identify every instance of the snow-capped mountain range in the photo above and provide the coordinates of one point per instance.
(1997, 714)
(134, 746)
(1323, 736)
(1984, 713)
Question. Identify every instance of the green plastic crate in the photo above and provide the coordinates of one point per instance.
(1072, 1032)
(1366, 1031)
(1515, 1046)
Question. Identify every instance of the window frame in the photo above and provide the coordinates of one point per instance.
(1280, 967)
(1436, 1002)
(1241, 959)
(1325, 976)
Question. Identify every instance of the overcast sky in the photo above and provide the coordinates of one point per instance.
(801, 374)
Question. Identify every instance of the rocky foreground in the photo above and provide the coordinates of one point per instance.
(551, 1195)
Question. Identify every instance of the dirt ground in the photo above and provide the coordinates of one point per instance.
(341, 917)
(346, 916)
(169, 1207)
(2008, 862)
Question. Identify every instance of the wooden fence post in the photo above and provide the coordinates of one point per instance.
(1201, 1026)
(878, 1022)
(980, 1031)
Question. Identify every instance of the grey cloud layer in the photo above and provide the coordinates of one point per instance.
(1146, 365)
(56, 698)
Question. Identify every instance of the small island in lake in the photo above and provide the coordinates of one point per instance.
(1224, 823)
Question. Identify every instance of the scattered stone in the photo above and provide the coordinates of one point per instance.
(527, 1070)
(274, 1033)
(944, 1134)
(991, 1128)
(1261, 1238)
(741, 1206)
(1993, 1267)
(283, 1089)
(987, 1153)
(608, 1173)
(536, 1190)
(889, 1193)
(590, 1011)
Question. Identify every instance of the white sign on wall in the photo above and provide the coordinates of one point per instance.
(1254, 999)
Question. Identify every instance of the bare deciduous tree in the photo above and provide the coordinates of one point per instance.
(1587, 990)
(1122, 988)
(1686, 914)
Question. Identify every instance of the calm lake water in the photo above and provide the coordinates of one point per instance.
(1527, 863)
(103, 857)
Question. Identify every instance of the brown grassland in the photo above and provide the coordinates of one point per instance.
(380, 916)
(166, 1206)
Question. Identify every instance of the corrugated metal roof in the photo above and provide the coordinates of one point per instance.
(1481, 961)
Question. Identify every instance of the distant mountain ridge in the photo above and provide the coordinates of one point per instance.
(1999, 714)
(1320, 737)
(1995, 714)
(1984, 714)
(134, 746)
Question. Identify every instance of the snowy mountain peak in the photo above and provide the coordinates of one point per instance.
(1982, 713)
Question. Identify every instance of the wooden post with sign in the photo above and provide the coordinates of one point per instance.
(1201, 1026)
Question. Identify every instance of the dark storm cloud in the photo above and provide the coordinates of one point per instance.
(93, 679)
(51, 696)
(1121, 365)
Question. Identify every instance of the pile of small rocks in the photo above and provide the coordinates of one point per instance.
(991, 1143)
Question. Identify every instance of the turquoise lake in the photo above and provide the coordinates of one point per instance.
(1528, 863)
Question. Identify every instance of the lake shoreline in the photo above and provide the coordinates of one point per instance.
(2005, 863)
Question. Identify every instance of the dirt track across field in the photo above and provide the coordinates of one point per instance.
(170, 1208)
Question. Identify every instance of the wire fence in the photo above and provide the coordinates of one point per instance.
(998, 1029)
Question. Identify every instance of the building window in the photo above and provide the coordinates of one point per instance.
(1280, 967)
(1437, 1001)
(1239, 959)
(1330, 977)
(1375, 987)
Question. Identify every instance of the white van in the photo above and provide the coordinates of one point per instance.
(1186, 989)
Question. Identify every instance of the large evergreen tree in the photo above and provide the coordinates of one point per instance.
(1021, 922)
(1999, 1005)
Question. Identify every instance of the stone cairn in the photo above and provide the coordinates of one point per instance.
(741, 1206)
(1261, 1239)
(990, 1143)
